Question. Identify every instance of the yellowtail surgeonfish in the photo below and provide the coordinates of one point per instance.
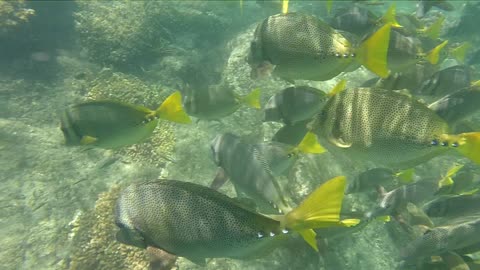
(216, 102)
(113, 124)
(387, 128)
(197, 222)
(294, 104)
(440, 240)
(253, 168)
(404, 52)
(304, 47)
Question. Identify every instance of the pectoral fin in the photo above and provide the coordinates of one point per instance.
(220, 179)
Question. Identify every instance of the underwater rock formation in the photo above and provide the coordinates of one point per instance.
(93, 239)
(13, 14)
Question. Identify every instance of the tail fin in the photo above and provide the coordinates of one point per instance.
(373, 52)
(284, 6)
(329, 4)
(321, 208)
(459, 52)
(406, 176)
(253, 99)
(434, 54)
(338, 88)
(310, 145)
(468, 144)
(433, 31)
(171, 109)
(390, 17)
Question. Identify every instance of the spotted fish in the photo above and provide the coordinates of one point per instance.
(196, 222)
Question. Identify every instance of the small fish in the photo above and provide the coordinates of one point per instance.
(451, 206)
(304, 47)
(446, 81)
(113, 124)
(457, 105)
(394, 201)
(388, 129)
(439, 240)
(370, 179)
(252, 168)
(459, 180)
(359, 20)
(294, 104)
(411, 79)
(196, 222)
(216, 103)
(291, 134)
(404, 52)
(424, 6)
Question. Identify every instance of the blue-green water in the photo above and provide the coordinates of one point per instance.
(57, 201)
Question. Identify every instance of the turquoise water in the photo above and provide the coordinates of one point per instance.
(57, 201)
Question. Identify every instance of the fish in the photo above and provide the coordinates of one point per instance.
(113, 124)
(388, 129)
(370, 179)
(359, 20)
(216, 102)
(452, 206)
(446, 81)
(294, 104)
(252, 168)
(196, 222)
(459, 180)
(439, 240)
(303, 47)
(424, 6)
(410, 79)
(458, 105)
(396, 200)
(292, 134)
(404, 52)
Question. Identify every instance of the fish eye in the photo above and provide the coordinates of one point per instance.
(434, 142)
(455, 144)
(444, 143)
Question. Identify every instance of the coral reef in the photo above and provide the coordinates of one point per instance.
(13, 14)
(115, 32)
(93, 239)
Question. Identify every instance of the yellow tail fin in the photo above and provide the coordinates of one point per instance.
(285, 6)
(373, 52)
(320, 209)
(459, 52)
(253, 99)
(390, 17)
(309, 237)
(329, 4)
(338, 88)
(310, 145)
(434, 30)
(468, 144)
(434, 54)
(172, 109)
(447, 180)
(476, 84)
(406, 176)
